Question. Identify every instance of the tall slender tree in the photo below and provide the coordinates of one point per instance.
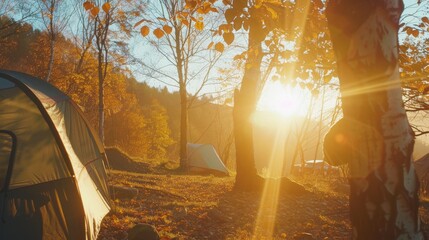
(182, 33)
(374, 136)
(55, 15)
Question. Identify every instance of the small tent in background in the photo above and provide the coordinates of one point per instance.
(52, 175)
(203, 158)
(422, 169)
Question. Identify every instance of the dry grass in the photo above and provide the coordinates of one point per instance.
(205, 207)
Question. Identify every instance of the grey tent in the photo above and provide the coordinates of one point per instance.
(203, 158)
(52, 175)
(422, 170)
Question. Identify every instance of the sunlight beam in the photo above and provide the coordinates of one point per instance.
(266, 218)
(264, 226)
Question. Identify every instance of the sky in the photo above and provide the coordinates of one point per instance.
(275, 96)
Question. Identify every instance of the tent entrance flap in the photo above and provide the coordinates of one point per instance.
(7, 156)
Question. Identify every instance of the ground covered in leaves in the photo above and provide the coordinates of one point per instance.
(206, 207)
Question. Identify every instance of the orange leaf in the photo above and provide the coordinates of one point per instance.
(237, 23)
(162, 19)
(106, 7)
(190, 4)
(144, 31)
(199, 25)
(185, 22)
(139, 22)
(219, 47)
(210, 45)
(228, 37)
(230, 15)
(158, 33)
(246, 24)
(167, 29)
(238, 57)
(87, 5)
(95, 11)
(226, 2)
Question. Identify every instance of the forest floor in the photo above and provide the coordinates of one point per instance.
(206, 207)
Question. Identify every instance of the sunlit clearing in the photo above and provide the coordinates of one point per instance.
(264, 226)
(288, 101)
(284, 99)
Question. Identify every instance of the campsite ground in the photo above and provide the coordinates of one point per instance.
(206, 207)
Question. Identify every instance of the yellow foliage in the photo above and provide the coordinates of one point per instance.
(219, 47)
(167, 29)
(210, 45)
(88, 5)
(158, 33)
(95, 11)
(228, 37)
(199, 25)
(106, 7)
(144, 31)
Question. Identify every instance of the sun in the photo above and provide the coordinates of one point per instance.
(284, 99)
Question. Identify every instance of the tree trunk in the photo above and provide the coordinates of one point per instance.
(183, 101)
(51, 59)
(374, 137)
(183, 128)
(100, 100)
(245, 101)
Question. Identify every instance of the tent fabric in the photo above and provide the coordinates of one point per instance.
(54, 142)
(33, 212)
(422, 168)
(21, 116)
(204, 156)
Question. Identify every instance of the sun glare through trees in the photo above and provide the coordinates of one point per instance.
(285, 100)
(214, 119)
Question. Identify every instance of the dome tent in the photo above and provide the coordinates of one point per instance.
(203, 158)
(52, 175)
(422, 170)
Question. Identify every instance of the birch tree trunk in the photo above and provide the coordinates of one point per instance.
(374, 137)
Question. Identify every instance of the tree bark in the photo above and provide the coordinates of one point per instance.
(52, 36)
(100, 100)
(183, 101)
(245, 101)
(51, 58)
(183, 128)
(374, 136)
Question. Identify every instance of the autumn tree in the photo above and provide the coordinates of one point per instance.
(275, 30)
(107, 16)
(102, 24)
(13, 15)
(54, 15)
(414, 71)
(182, 39)
(126, 128)
(157, 131)
(374, 136)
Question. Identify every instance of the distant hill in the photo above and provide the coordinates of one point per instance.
(208, 123)
(274, 136)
